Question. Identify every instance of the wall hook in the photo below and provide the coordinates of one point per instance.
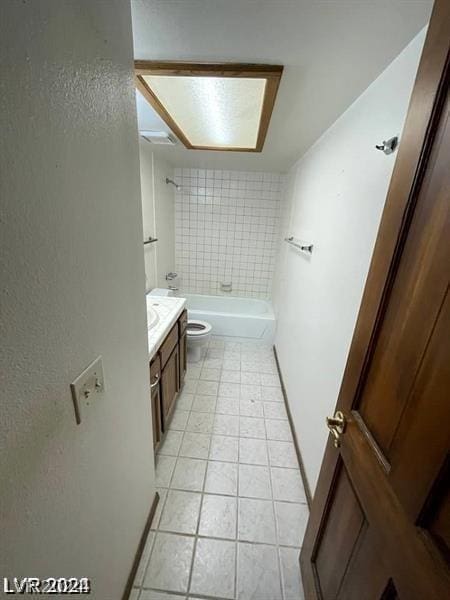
(388, 146)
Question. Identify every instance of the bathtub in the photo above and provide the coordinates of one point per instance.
(235, 317)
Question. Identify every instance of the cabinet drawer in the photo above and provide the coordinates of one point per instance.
(155, 370)
(168, 345)
(182, 322)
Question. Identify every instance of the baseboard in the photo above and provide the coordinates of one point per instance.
(294, 433)
(140, 549)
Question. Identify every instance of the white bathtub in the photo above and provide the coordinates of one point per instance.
(236, 317)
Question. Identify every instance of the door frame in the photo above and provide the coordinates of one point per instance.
(417, 140)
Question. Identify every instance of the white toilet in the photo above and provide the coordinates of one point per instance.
(198, 334)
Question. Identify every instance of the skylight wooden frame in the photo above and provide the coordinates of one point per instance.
(271, 73)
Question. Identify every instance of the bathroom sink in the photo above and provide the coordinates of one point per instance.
(152, 318)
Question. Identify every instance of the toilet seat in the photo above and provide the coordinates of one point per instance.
(198, 328)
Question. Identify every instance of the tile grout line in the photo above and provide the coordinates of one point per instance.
(280, 578)
(188, 590)
(238, 504)
(194, 550)
(225, 539)
(232, 495)
(237, 496)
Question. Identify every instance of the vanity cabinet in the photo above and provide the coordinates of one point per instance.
(167, 371)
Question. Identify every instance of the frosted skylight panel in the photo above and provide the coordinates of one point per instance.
(220, 112)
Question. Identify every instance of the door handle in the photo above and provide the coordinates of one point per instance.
(336, 425)
(155, 383)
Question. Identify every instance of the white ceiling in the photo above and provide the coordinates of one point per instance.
(331, 50)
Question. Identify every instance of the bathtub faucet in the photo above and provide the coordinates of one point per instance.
(170, 276)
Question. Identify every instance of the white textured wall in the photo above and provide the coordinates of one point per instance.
(74, 499)
(148, 213)
(336, 196)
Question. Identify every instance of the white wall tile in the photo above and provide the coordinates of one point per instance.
(227, 231)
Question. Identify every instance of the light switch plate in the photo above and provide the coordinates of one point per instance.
(86, 386)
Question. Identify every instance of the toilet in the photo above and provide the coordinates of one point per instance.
(198, 334)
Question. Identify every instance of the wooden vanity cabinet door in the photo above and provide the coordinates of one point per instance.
(170, 385)
(156, 416)
(168, 345)
(182, 322)
(183, 358)
(182, 334)
(155, 400)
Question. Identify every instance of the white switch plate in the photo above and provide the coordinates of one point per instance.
(85, 387)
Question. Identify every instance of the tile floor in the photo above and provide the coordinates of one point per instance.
(232, 509)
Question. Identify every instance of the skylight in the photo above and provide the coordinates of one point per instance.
(212, 107)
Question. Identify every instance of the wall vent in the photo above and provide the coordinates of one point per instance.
(159, 137)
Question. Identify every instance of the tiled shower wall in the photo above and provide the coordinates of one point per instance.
(227, 231)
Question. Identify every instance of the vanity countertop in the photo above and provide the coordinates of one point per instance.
(168, 309)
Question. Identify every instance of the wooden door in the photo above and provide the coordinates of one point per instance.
(170, 382)
(380, 519)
